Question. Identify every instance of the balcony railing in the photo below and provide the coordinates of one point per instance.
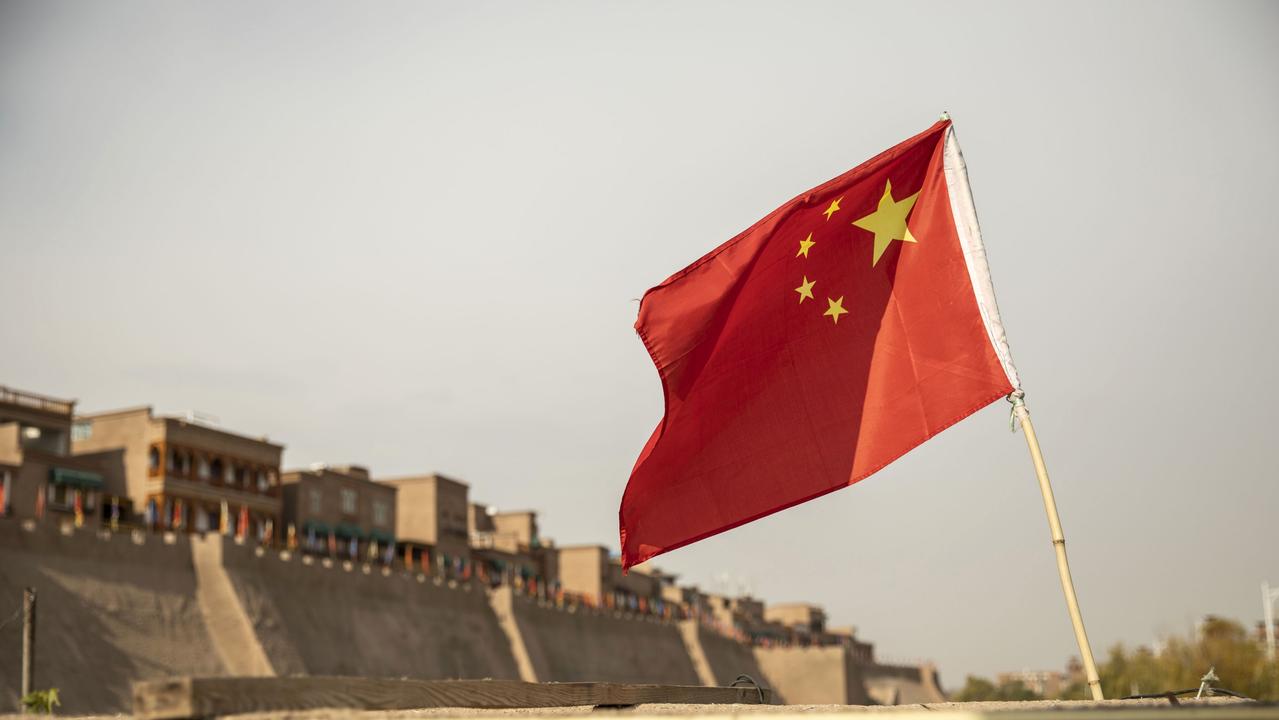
(37, 401)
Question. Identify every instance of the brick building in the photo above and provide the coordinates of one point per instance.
(805, 622)
(431, 520)
(340, 509)
(185, 475)
(39, 473)
(591, 571)
(506, 547)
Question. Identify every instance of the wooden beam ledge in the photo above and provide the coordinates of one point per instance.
(193, 697)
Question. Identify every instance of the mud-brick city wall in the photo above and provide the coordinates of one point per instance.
(115, 608)
(726, 659)
(576, 644)
(814, 675)
(112, 609)
(331, 618)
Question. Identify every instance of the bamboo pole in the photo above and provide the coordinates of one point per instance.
(1059, 544)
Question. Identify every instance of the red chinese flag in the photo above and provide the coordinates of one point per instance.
(845, 328)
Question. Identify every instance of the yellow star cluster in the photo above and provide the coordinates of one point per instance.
(887, 223)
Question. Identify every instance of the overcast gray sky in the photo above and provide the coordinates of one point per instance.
(412, 236)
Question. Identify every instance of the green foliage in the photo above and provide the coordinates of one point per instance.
(1179, 663)
(978, 689)
(1240, 662)
(41, 701)
(975, 689)
(1077, 690)
(1016, 690)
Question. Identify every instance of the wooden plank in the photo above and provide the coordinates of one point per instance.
(206, 697)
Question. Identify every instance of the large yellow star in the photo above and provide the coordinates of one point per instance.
(888, 222)
(836, 309)
(805, 289)
(804, 245)
(834, 208)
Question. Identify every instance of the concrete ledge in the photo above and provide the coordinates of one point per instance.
(1226, 709)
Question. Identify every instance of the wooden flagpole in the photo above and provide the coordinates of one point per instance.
(1059, 544)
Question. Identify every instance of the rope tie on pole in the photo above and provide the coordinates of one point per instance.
(1016, 398)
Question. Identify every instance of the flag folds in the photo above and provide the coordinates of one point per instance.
(833, 336)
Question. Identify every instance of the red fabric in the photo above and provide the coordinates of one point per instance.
(769, 402)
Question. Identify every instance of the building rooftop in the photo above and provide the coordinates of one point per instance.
(36, 401)
(796, 606)
(132, 410)
(180, 420)
(429, 477)
(355, 472)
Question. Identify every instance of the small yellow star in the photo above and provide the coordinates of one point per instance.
(834, 208)
(804, 245)
(805, 290)
(888, 222)
(836, 309)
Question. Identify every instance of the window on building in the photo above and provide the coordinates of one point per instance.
(202, 468)
(381, 513)
(348, 501)
(82, 431)
(184, 463)
(215, 468)
(262, 483)
(171, 463)
(59, 495)
(316, 497)
(229, 477)
(153, 459)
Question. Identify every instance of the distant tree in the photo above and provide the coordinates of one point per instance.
(1179, 664)
(1016, 690)
(1237, 658)
(976, 689)
(1077, 690)
(979, 689)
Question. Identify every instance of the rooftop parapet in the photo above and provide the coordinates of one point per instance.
(36, 401)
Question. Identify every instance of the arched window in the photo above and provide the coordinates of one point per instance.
(153, 459)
